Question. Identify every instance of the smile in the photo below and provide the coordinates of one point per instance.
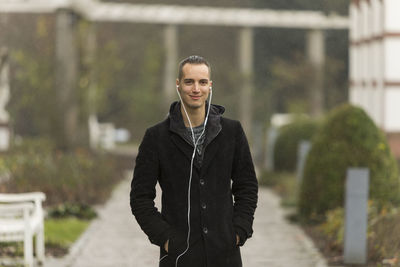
(195, 97)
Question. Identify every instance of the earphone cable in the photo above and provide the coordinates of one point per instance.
(195, 142)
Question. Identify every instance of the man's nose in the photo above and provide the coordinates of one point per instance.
(196, 88)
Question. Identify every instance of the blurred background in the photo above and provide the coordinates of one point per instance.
(129, 65)
(78, 96)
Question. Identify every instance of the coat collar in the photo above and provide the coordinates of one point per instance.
(213, 128)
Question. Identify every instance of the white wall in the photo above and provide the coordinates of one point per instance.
(392, 109)
(392, 15)
(375, 60)
(392, 59)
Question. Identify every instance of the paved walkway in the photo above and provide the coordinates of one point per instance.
(115, 239)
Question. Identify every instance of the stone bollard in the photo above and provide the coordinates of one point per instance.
(356, 216)
(302, 153)
(271, 139)
(257, 144)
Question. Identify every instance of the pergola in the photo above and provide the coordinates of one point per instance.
(172, 17)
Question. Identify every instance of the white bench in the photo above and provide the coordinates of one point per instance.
(21, 218)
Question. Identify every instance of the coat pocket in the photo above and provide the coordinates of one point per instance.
(234, 245)
(176, 243)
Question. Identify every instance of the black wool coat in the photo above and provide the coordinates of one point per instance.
(223, 191)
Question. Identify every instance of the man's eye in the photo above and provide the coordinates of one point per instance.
(188, 82)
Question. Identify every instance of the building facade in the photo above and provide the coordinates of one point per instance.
(375, 63)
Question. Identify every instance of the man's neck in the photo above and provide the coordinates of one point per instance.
(196, 116)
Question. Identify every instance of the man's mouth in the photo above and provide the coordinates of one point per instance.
(195, 97)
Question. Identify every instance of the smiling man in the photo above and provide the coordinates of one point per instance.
(204, 167)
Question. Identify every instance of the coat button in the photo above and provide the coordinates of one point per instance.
(202, 182)
(205, 230)
(203, 205)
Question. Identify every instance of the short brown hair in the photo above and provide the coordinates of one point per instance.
(192, 60)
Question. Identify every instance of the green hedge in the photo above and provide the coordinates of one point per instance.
(348, 138)
(286, 146)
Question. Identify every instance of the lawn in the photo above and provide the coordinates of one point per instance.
(60, 234)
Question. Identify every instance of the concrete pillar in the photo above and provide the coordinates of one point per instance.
(4, 98)
(91, 47)
(171, 62)
(316, 56)
(66, 78)
(246, 70)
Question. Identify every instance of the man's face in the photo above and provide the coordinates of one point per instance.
(194, 86)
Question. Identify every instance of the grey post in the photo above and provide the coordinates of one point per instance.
(356, 216)
(302, 152)
(257, 146)
(272, 134)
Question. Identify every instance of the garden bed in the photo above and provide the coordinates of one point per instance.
(73, 182)
(327, 235)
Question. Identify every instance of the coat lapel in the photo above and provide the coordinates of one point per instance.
(211, 146)
(209, 154)
(177, 130)
(182, 145)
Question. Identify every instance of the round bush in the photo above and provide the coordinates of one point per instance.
(348, 138)
(286, 146)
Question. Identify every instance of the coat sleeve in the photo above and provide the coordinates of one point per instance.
(244, 187)
(143, 192)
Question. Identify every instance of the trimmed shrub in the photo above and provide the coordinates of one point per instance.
(65, 210)
(348, 138)
(286, 146)
(79, 176)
